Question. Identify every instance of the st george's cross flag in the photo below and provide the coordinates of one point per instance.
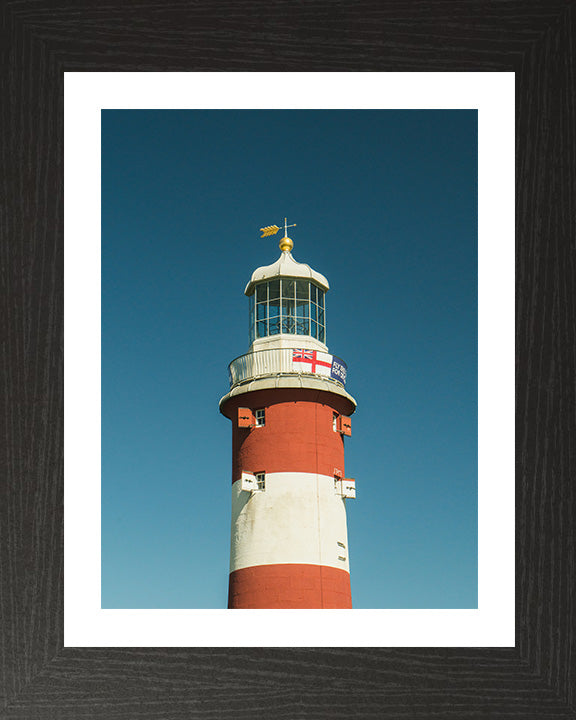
(319, 363)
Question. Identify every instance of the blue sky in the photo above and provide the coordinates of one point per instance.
(386, 208)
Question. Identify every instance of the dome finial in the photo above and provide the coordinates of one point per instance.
(286, 243)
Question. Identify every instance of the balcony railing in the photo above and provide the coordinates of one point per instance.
(280, 362)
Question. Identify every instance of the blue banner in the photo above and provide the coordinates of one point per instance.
(339, 370)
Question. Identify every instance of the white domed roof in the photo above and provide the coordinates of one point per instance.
(285, 266)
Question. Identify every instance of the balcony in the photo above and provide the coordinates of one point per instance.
(265, 363)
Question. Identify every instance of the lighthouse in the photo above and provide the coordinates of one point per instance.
(290, 412)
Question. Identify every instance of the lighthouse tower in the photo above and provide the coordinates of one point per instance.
(290, 412)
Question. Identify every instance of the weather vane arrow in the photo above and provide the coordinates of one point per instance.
(269, 230)
(273, 229)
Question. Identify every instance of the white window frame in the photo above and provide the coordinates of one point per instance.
(260, 417)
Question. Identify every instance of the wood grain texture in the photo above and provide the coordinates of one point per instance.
(41, 39)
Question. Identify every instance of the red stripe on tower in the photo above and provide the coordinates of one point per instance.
(289, 411)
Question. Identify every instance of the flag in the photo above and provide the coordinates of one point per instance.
(312, 361)
(319, 363)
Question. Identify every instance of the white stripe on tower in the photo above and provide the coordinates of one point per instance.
(298, 518)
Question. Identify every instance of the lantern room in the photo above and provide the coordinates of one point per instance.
(286, 303)
(288, 306)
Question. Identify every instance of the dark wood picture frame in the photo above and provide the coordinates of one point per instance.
(41, 39)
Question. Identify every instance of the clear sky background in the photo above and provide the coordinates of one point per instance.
(386, 208)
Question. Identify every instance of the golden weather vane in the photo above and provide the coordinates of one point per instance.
(285, 243)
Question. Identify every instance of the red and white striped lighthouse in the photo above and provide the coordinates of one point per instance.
(290, 412)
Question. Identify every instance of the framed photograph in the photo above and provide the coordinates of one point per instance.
(410, 164)
(117, 663)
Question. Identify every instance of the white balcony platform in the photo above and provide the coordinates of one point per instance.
(265, 369)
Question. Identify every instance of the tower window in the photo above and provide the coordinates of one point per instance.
(335, 421)
(260, 417)
(261, 480)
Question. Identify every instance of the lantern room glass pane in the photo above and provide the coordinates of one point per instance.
(261, 292)
(288, 289)
(261, 328)
(302, 325)
(274, 289)
(287, 316)
(274, 317)
(287, 308)
(302, 290)
(313, 329)
(251, 317)
(321, 333)
(274, 308)
(320, 298)
(261, 313)
(302, 308)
